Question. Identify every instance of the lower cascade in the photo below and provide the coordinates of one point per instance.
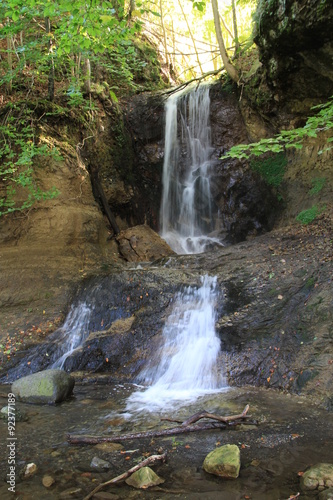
(73, 333)
(185, 365)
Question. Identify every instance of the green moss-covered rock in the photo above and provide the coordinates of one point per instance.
(48, 386)
(326, 494)
(144, 478)
(224, 461)
(318, 477)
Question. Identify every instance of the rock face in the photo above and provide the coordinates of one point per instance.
(49, 386)
(295, 42)
(223, 462)
(318, 477)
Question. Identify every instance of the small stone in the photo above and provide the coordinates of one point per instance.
(223, 461)
(48, 481)
(144, 478)
(99, 463)
(30, 470)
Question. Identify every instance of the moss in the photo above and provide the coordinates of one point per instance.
(272, 169)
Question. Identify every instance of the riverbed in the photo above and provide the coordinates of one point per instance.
(292, 434)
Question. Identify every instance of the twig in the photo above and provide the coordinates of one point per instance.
(144, 463)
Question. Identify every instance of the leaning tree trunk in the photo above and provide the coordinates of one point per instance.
(230, 68)
(51, 62)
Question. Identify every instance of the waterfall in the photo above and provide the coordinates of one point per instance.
(186, 209)
(185, 366)
(72, 334)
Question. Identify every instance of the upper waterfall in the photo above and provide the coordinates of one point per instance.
(186, 209)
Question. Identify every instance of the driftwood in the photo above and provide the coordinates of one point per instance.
(150, 460)
(185, 427)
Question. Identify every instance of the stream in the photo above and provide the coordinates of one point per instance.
(292, 434)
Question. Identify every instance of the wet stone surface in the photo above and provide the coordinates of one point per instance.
(291, 436)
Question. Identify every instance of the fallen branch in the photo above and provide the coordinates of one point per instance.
(150, 460)
(197, 79)
(185, 427)
(84, 439)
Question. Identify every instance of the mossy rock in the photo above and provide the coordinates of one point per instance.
(224, 461)
(318, 477)
(144, 478)
(46, 387)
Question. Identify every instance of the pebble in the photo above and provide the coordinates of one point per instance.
(48, 481)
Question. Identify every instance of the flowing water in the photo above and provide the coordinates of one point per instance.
(186, 209)
(185, 365)
(72, 334)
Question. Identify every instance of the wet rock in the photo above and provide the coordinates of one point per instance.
(99, 463)
(144, 478)
(318, 477)
(141, 243)
(326, 494)
(20, 415)
(48, 481)
(223, 462)
(49, 386)
(30, 470)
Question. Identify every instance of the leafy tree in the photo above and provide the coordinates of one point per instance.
(320, 122)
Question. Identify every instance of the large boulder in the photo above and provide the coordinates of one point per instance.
(49, 386)
(142, 244)
(223, 461)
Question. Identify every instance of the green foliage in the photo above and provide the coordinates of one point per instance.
(321, 121)
(18, 151)
(307, 216)
(272, 169)
(317, 185)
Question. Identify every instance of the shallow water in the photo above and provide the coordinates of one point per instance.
(292, 435)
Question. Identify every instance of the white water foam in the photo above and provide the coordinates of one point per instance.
(185, 366)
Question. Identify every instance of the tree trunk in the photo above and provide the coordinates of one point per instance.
(230, 68)
(87, 76)
(10, 62)
(164, 36)
(51, 62)
(234, 17)
(131, 9)
(190, 32)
